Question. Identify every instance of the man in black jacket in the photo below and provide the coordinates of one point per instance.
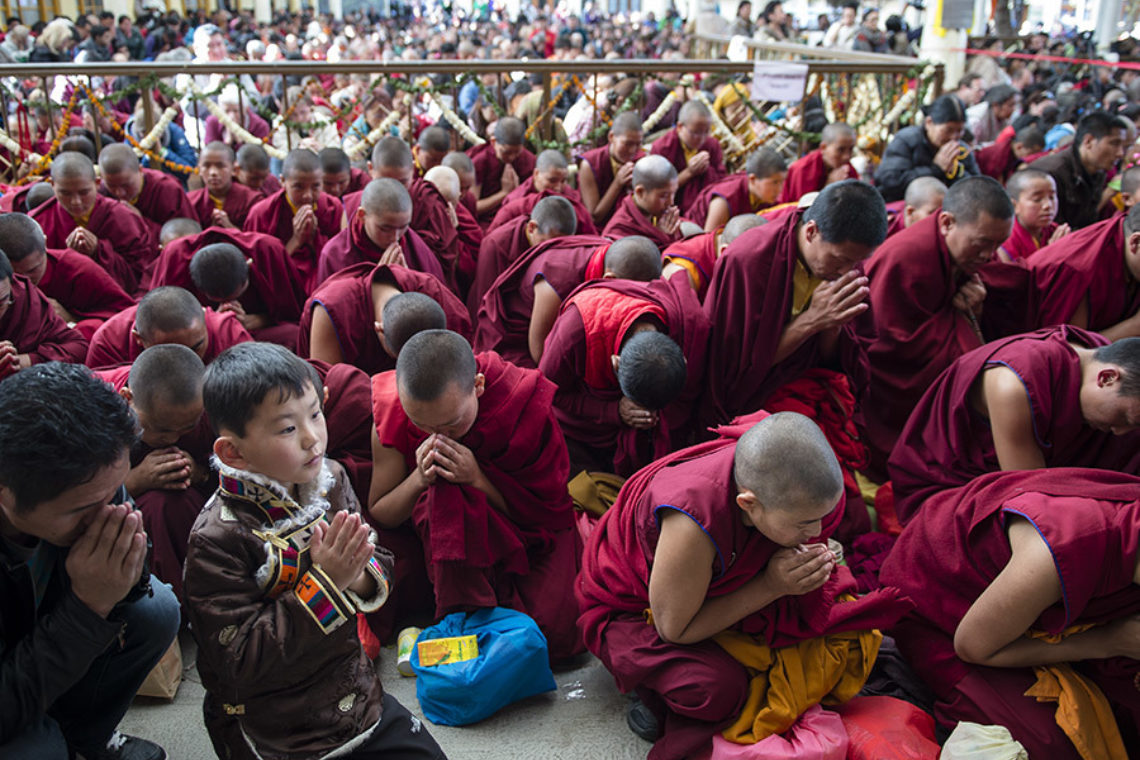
(1081, 169)
(82, 621)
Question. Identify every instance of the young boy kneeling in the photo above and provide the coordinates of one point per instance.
(279, 564)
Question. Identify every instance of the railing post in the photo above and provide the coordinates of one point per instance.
(939, 76)
(546, 128)
(285, 111)
(148, 109)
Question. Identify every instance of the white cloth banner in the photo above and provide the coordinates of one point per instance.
(779, 82)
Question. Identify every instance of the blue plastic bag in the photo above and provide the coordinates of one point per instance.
(513, 664)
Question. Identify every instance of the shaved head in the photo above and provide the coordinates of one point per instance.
(967, 199)
(118, 158)
(509, 131)
(165, 310)
(446, 181)
(408, 314)
(692, 111)
(219, 148)
(626, 123)
(179, 227)
(654, 172)
(219, 271)
(651, 369)
(72, 165)
(1019, 181)
(334, 161)
(252, 157)
(21, 236)
(786, 462)
(765, 162)
(78, 144)
(460, 162)
(300, 161)
(634, 258)
(433, 361)
(924, 191)
(738, 225)
(550, 159)
(434, 139)
(392, 153)
(836, 131)
(385, 195)
(39, 194)
(555, 216)
(1130, 180)
(169, 374)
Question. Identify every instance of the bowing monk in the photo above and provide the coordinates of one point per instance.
(223, 202)
(923, 197)
(827, 164)
(501, 164)
(430, 148)
(692, 151)
(798, 279)
(520, 307)
(78, 290)
(158, 196)
(30, 331)
(1002, 158)
(469, 235)
(551, 177)
(300, 215)
(338, 176)
(252, 170)
(467, 448)
(927, 299)
(605, 174)
(1058, 397)
(164, 315)
(698, 254)
(1034, 195)
(1027, 589)
(650, 211)
(462, 165)
(550, 218)
(1081, 170)
(721, 548)
(378, 232)
(754, 189)
(110, 233)
(628, 360)
(358, 316)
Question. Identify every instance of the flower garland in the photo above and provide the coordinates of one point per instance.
(659, 114)
(153, 136)
(356, 152)
(459, 124)
(146, 145)
(236, 129)
(61, 134)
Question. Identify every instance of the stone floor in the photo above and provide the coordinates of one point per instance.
(583, 720)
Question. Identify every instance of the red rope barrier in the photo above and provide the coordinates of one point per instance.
(1051, 58)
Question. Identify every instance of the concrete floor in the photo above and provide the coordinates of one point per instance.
(584, 719)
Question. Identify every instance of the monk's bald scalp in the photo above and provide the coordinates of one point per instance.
(765, 162)
(634, 257)
(300, 161)
(385, 195)
(220, 148)
(169, 373)
(924, 191)
(786, 462)
(626, 122)
(1020, 180)
(117, 158)
(651, 369)
(967, 199)
(653, 172)
(849, 212)
(39, 194)
(433, 361)
(1031, 138)
(555, 215)
(167, 309)
(434, 139)
(219, 271)
(692, 111)
(509, 131)
(1125, 354)
(446, 181)
(392, 153)
(738, 225)
(408, 314)
(1132, 220)
(78, 144)
(550, 159)
(178, 227)
(460, 162)
(334, 161)
(21, 236)
(71, 165)
(252, 157)
(1130, 180)
(836, 131)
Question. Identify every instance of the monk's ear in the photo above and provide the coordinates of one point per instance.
(946, 222)
(615, 362)
(1134, 244)
(480, 384)
(360, 215)
(746, 500)
(135, 335)
(125, 394)
(227, 450)
(609, 275)
(1107, 377)
(324, 396)
(249, 262)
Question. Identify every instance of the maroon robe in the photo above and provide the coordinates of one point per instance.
(699, 253)
(913, 281)
(945, 560)
(237, 204)
(754, 276)
(470, 240)
(603, 168)
(160, 200)
(358, 179)
(734, 190)
(275, 287)
(489, 172)
(503, 323)
(348, 414)
(628, 220)
(896, 217)
(670, 146)
(15, 199)
(352, 246)
(269, 186)
(126, 247)
(115, 344)
(997, 159)
(577, 360)
(1021, 244)
(273, 216)
(475, 555)
(523, 204)
(501, 247)
(83, 288)
(699, 686)
(346, 298)
(946, 443)
(808, 175)
(34, 329)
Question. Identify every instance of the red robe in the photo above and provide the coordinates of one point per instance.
(700, 251)
(15, 199)
(489, 172)
(352, 246)
(346, 298)
(348, 414)
(734, 190)
(272, 216)
(754, 276)
(503, 324)
(275, 287)
(603, 168)
(913, 281)
(670, 146)
(948, 557)
(475, 555)
(521, 204)
(114, 343)
(1021, 244)
(896, 217)
(83, 288)
(469, 241)
(699, 686)
(126, 247)
(34, 329)
(997, 159)
(161, 199)
(590, 328)
(808, 175)
(238, 201)
(946, 443)
(501, 247)
(629, 220)
(269, 186)
(358, 179)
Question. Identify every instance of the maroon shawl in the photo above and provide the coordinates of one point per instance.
(808, 175)
(272, 216)
(114, 343)
(603, 168)
(629, 220)
(669, 145)
(353, 246)
(34, 329)
(238, 201)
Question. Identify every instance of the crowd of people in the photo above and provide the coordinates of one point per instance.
(762, 432)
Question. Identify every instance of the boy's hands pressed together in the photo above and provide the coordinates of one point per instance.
(341, 549)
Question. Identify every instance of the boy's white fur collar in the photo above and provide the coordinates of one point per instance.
(312, 498)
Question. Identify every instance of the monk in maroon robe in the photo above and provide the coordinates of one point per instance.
(300, 215)
(927, 298)
(158, 196)
(223, 202)
(1053, 398)
(30, 332)
(110, 233)
(252, 277)
(164, 315)
(753, 190)
(923, 197)
(468, 449)
(501, 164)
(797, 278)
(1034, 195)
(339, 177)
(650, 210)
(1004, 560)
(605, 174)
(618, 416)
(348, 415)
(830, 162)
(252, 170)
(693, 152)
(1001, 158)
(551, 173)
(344, 319)
(706, 541)
(698, 254)
(15, 198)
